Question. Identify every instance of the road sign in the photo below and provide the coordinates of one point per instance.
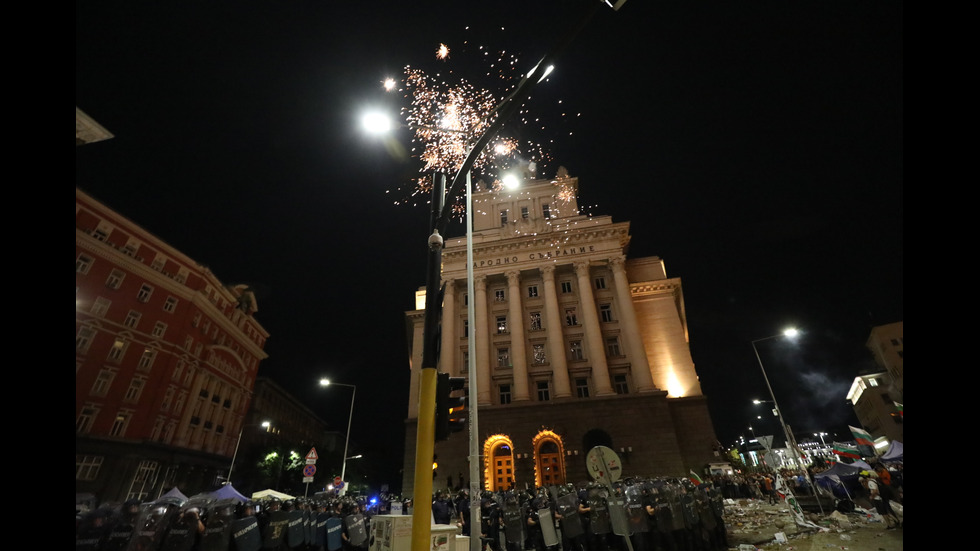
(604, 465)
(307, 479)
(309, 470)
(339, 485)
(311, 456)
(337, 480)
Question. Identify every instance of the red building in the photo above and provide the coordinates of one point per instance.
(166, 357)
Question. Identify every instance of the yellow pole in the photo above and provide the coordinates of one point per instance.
(425, 447)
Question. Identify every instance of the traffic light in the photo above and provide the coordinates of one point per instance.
(449, 409)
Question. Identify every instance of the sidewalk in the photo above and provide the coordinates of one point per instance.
(753, 524)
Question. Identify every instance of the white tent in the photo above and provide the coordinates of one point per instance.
(271, 493)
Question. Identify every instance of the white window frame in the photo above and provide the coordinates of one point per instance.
(605, 312)
(566, 287)
(84, 338)
(159, 329)
(101, 307)
(170, 305)
(117, 350)
(145, 292)
(115, 279)
(575, 351)
(132, 319)
(503, 356)
(120, 424)
(83, 264)
(103, 382)
(87, 466)
(135, 389)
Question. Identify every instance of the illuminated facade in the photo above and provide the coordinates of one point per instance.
(166, 358)
(576, 346)
(874, 395)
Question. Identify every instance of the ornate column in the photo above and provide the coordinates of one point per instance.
(556, 341)
(481, 334)
(518, 355)
(449, 347)
(593, 334)
(639, 365)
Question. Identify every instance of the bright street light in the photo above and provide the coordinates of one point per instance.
(343, 468)
(790, 443)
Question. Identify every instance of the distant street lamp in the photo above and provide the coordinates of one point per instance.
(264, 424)
(343, 468)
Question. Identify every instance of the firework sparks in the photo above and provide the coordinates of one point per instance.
(389, 84)
(442, 52)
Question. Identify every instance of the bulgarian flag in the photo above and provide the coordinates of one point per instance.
(695, 478)
(862, 437)
(846, 451)
(901, 409)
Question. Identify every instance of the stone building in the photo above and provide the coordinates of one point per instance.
(576, 345)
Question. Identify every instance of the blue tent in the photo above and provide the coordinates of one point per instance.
(228, 492)
(895, 453)
(842, 478)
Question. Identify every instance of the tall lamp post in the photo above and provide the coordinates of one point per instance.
(343, 468)
(790, 442)
(264, 424)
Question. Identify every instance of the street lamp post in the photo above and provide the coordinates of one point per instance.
(790, 442)
(343, 467)
(234, 456)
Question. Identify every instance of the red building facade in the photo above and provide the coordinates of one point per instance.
(166, 357)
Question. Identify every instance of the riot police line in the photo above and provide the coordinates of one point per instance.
(664, 514)
(205, 524)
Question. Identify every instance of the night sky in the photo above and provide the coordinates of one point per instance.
(755, 147)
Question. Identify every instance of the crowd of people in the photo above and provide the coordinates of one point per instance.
(662, 514)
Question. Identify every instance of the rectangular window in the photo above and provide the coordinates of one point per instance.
(546, 211)
(605, 312)
(168, 398)
(600, 283)
(504, 394)
(532, 291)
(570, 318)
(146, 290)
(170, 305)
(159, 328)
(503, 357)
(612, 347)
(119, 424)
(503, 217)
(566, 287)
(146, 360)
(100, 234)
(135, 389)
(115, 279)
(620, 384)
(524, 213)
(83, 424)
(535, 321)
(501, 324)
(575, 350)
(538, 353)
(102, 382)
(582, 387)
(118, 350)
(499, 295)
(87, 466)
(84, 339)
(197, 319)
(466, 328)
(188, 342)
(544, 392)
(101, 307)
(83, 264)
(132, 319)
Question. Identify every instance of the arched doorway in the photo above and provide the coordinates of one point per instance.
(549, 459)
(498, 466)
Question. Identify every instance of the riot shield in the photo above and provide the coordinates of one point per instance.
(183, 532)
(275, 531)
(547, 523)
(246, 535)
(571, 523)
(320, 529)
(635, 511)
(217, 530)
(513, 519)
(334, 529)
(356, 530)
(598, 510)
(616, 501)
(309, 526)
(295, 531)
(152, 525)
